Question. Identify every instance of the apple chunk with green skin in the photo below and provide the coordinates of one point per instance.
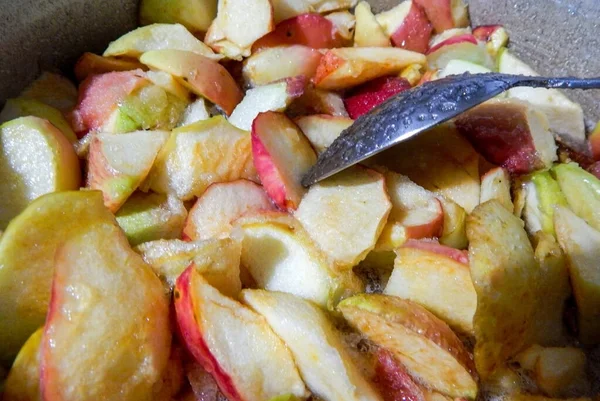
(23, 381)
(200, 74)
(541, 194)
(495, 184)
(195, 15)
(445, 14)
(407, 26)
(368, 32)
(105, 300)
(282, 155)
(429, 349)
(115, 170)
(35, 159)
(317, 347)
(53, 90)
(215, 212)
(322, 129)
(233, 343)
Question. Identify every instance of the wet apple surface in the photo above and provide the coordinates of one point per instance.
(156, 243)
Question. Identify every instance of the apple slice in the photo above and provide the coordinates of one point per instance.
(560, 372)
(393, 381)
(343, 25)
(218, 260)
(433, 246)
(53, 165)
(276, 63)
(350, 66)
(510, 133)
(499, 247)
(285, 9)
(194, 112)
(412, 74)
(564, 116)
(458, 67)
(445, 14)
(495, 37)
(407, 26)
(148, 217)
(53, 90)
(364, 98)
(281, 256)
(541, 194)
(581, 244)
(105, 300)
(23, 381)
(214, 213)
(322, 129)
(429, 349)
(114, 170)
(273, 97)
(454, 226)
(282, 155)
(169, 83)
(311, 336)
(463, 47)
(195, 15)
(92, 64)
(200, 154)
(495, 184)
(158, 37)
(345, 214)
(224, 34)
(318, 101)
(368, 32)
(233, 343)
(447, 34)
(201, 75)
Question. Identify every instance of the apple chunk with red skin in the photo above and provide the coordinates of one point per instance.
(276, 63)
(233, 343)
(445, 14)
(407, 26)
(107, 301)
(462, 47)
(364, 98)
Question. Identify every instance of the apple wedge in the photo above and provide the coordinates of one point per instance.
(200, 154)
(445, 14)
(149, 216)
(350, 66)
(561, 372)
(195, 15)
(437, 282)
(449, 33)
(495, 37)
(218, 260)
(580, 243)
(224, 34)
(233, 343)
(510, 133)
(201, 75)
(310, 336)
(458, 67)
(282, 155)
(170, 84)
(318, 101)
(322, 129)
(454, 226)
(416, 213)
(462, 47)
(23, 381)
(93, 64)
(565, 117)
(158, 37)
(407, 26)
(364, 98)
(368, 32)
(495, 184)
(343, 25)
(214, 213)
(52, 166)
(53, 90)
(194, 112)
(499, 248)
(285, 9)
(115, 170)
(275, 63)
(541, 194)
(280, 256)
(433, 246)
(345, 214)
(429, 349)
(105, 300)
(273, 97)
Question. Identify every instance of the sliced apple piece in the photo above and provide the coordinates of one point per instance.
(214, 213)
(224, 34)
(169, 83)
(412, 74)
(113, 168)
(282, 155)
(311, 336)
(200, 154)
(51, 166)
(407, 26)
(506, 278)
(429, 349)
(92, 64)
(345, 214)
(454, 226)
(343, 25)
(463, 47)
(284, 9)
(105, 300)
(495, 184)
(560, 372)
(318, 101)
(368, 32)
(445, 14)
(195, 15)
(350, 66)
(565, 117)
(510, 133)
(581, 244)
(322, 129)
(362, 99)
(447, 34)
(53, 90)
(433, 246)
(194, 112)
(23, 381)
(458, 67)
(393, 381)
(233, 343)
(495, 37)
(541, 194)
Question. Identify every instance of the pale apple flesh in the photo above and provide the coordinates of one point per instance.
(322, 129)
(53, 90)
(92, 64)
(407, 26)
(368, 31)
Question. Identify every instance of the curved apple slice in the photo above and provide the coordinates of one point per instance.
(199, 74)
(495, 184)
(233, 343)
(311, 337)
(107, 301)
(23, 381)
(322, 129)
(407, 26)
(368, 32)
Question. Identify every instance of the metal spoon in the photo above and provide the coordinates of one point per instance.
(418, 109)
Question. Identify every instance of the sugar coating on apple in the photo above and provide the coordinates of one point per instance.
(35, 159)
(215, 212)
(345, 214)
(310, 335)
(105, 300)
(368, 32)
(93, 64)
(364, 98)
(322, 129)
(282, 155)
(285, 9)
(233, 343)
(496, 184)
(318, 101)
(23, 380)
(445, 14)
(195, 15)
(407, 26)
(53, 90)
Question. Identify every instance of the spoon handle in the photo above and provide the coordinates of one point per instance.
(558, 83)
